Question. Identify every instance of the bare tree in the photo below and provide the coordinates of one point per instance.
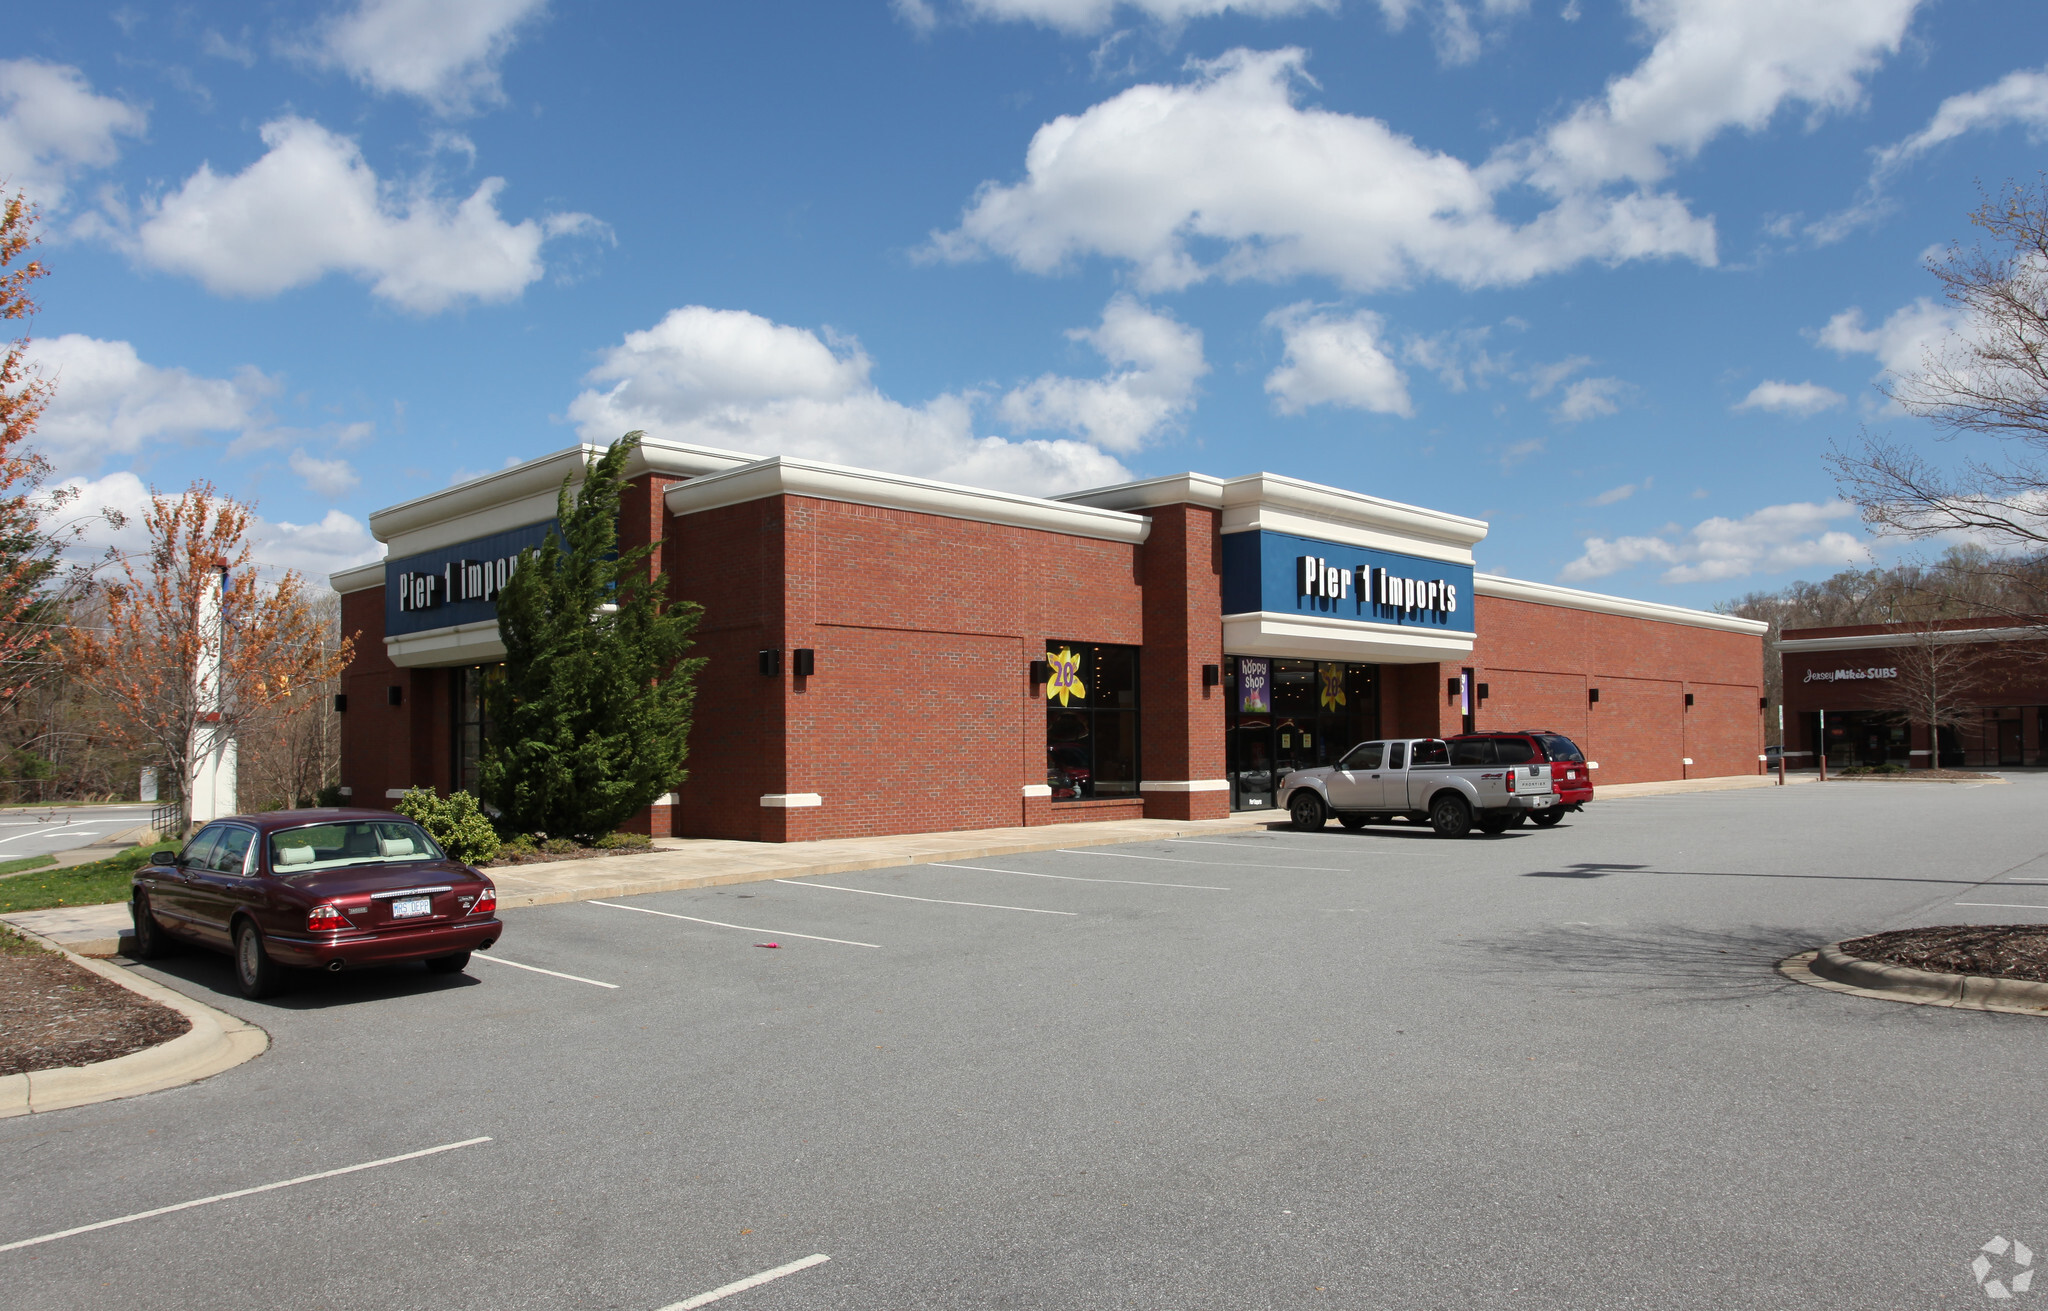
(1989, 378)
(1935, 683)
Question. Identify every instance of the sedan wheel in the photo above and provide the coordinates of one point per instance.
(1305, 808)
(1450, 816)
(151, 941)
(256, 974)
(455, 964)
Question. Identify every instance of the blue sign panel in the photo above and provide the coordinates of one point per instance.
(1284, 574)
(454, 584)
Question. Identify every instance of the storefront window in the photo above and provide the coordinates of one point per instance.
(472, 724)
(1091, 720)
(1291, 714)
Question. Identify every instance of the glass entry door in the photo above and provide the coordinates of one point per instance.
(1281, 715)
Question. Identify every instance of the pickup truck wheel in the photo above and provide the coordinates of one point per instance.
(1550, 818)
(1450, 816)
(1352, 822)
(1305, 808)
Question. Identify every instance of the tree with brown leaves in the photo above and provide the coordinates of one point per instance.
(147, 659)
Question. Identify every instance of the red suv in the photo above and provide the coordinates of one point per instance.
(1568, 773)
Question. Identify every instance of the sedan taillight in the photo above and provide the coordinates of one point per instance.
(486, 902)
(326, 919)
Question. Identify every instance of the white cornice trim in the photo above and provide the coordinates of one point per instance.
(1571, 598)
(1275, 503)
(1897, 640)
(782, 475)
(359, 578)
(525, 493)
(1312, 637)
(457, 644)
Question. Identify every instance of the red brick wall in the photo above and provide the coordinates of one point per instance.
(1181, 721)
(1539, 662)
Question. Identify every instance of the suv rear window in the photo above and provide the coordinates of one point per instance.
(1558, 747)
(1472, 751)
(1514, 750)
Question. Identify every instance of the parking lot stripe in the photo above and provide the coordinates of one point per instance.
(745, 928)
(1173, 860)
(2001, 905)
(937, 901)
(751, 1281)
(578, 978)
(1076, 878)
(240, 1192)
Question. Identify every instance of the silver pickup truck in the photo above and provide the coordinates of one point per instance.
(1453, 785)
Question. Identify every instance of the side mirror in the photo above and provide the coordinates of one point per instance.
(163, 857)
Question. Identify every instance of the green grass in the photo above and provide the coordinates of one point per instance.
(81, 885)
(13, 944)
(26, 862)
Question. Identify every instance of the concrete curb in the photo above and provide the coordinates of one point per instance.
(1836, 970)
(216, 1041)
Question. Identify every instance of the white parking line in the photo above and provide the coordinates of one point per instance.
(2001, 905)
(577, 978)
(937, 901)
(751, 1281)
(241, 1192)
(65, 833)
(745, 928)
(1075, 878)
(1171, 860)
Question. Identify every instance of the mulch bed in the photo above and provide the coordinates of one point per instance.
(581, 853)
(58, 1014)
(1996, 951)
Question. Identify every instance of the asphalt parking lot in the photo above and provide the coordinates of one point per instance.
(44, 831)
(1554, 1069)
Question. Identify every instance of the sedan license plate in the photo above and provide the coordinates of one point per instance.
(411, 907)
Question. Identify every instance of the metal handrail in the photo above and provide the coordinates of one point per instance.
(168, 820)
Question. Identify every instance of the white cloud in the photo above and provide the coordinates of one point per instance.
(1228, 161)
(1803, 399)
(312, 206)
(2020, 97)
(1086, 17)
(1335, 359)
(1716, 64)
(1158, 361)
(1901, 343)
(1590, 398)
(108, 401)
(732, 379)
(1520, 452)
(329, 478)
(52, 127)
(315, 550)
(1772, 540)
(1458, 357)
(1616, 495)
(445, 52)
(1454, 25)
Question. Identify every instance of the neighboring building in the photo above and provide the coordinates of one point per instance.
(979, 659)
(1852, 675)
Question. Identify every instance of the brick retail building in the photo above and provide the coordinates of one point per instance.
(889, 654)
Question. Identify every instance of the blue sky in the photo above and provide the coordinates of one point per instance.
(1611, 276)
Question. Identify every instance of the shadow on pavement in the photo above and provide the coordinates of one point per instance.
(309, 990)
(1597, 871)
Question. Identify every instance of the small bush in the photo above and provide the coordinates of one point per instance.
(330, 796)
(560, 847)
(457, 823)
(624, 842)
(519, 844)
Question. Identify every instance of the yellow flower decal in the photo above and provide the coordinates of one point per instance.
(1332, 685)
(1066, 676)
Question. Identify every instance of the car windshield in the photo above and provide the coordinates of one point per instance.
(349, 842)
(1559, 748)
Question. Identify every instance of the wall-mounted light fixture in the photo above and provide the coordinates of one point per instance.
(1451, 688)
(803, 662)
(1212, 675)
(1484, 692)
(340, 702)
(771, 663)
(1763, 703)
(395, 695)
(1688, 700)
(1592, 696)
(1041, 671)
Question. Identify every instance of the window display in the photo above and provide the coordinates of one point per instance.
(1091, 720)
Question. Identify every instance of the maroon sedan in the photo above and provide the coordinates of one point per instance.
(318, 889)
